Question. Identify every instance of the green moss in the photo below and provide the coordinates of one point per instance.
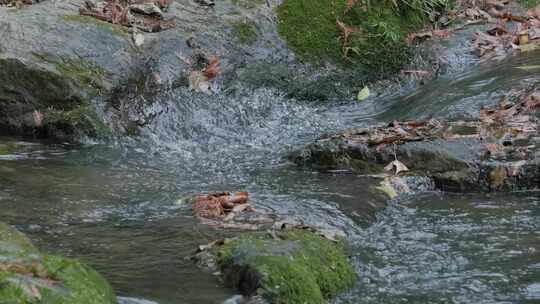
(85, 284)
(62, 95)
(300, 268)
(83, 74)
(26, 275)
(326, 260)
(248, 3)
(287, 281)
(114, 29)
(77, 283)
(79, 122)
(529, 3)
(13, 241)
(245, 32)
(310, 29)
(10, 293)
(41, 88)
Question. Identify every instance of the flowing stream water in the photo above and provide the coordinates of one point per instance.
(116, 206)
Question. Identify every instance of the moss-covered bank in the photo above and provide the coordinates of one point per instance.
(28, 277)
(299, 267)
(378, 30)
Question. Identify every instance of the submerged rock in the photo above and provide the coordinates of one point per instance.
(233, 211)
(294, 266)
(27, 276)
(499, 151)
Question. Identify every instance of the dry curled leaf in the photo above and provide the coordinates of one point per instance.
(396, 166)
(212, 70)
(223, 206)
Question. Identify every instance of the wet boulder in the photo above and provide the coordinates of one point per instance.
(233, 211)
(51, 70)
(68, 76)
(27, 276)
(498, 151)
(294, 266)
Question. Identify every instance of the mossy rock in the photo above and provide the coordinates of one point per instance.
(41, 87)
(81, 73)
(301, 267)
(13, 241)
(58, 88)
(28, 277)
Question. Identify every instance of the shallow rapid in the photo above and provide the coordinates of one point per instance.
(452, 248)
(116, 207)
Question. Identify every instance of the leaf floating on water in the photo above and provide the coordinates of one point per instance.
(396, 166)
(363, 94)
(387, 189)
(529, 67)
(529, 47)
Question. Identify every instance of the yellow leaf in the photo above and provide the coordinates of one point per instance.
(363, 94)
(529, 47)
(529, 67)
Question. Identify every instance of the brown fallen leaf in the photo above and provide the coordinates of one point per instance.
(221, 206)
(212, 70)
